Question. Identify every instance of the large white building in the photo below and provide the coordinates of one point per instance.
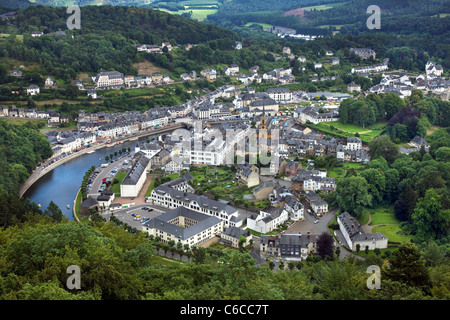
(354, 234)
(109, 79)
(135, 178)
(166, 196)
(185, 226)
(280, 95)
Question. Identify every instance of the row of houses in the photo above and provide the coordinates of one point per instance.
(115, 79)
(53, 117)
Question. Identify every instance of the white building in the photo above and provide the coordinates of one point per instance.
(33, 90)
(184, 226)
(355, 236)
(268, 219)
(135, 178)
(109, 79)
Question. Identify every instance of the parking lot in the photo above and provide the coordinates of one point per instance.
(137, 215)
(101, 176)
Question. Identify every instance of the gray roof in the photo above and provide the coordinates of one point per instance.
(236, 232)
(137, 170)
(202, 201)
(162, 222)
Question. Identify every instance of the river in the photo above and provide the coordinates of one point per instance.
(61, 184)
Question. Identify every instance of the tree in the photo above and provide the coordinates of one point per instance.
(430, 219)
(382, 146)
(325, 245)
(352, 194)
(71, 91)
(405, 266)
(54, 212)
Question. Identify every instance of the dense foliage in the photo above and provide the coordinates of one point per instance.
(116, 264)
(22, 147)
(104, 41)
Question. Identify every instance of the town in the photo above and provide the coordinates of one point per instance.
(224, 150)
(253, 114)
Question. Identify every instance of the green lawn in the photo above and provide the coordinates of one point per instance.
(150, 188)
(116, 187)
(383, 215)
(339, 129)
(393, 232)
(339, 172)
(264, 25)
(201, 14)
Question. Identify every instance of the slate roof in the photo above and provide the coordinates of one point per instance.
(162, 222)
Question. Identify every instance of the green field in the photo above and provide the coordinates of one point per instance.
(201, 14)
(264, 25)
(339, 129)
(393, 233)
(116, 187)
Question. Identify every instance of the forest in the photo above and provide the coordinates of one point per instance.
(104, 41)
(405, 118)
(118, 265)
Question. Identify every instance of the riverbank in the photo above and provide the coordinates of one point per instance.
(39, 173)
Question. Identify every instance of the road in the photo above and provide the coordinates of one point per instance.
(106, 172)
(49, 165)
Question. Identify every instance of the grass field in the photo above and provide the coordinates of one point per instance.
(264, 25)
(116, 187)
(344, 130)
(202, 14)
(393, 233)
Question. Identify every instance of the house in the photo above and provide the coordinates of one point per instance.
(32, 90)
(232, 69)
(280, 95)
(92, 93)
(232, 236)
(248, 175)
(166, 196)
(418, 142)
(289, 246)
(319, 206)
(334, 61)
(87, 205)
(109, 79)
(355, 236)
(317, 65)
(353, 87)
(36, 33)
(167, 45)
(262, 191)
(16, 73)
(292, 167)
(105, 198)
(238, 45)
(287, 50)
(50, 83)
(268, 219)
(363, 53)
(185, 77)
(184, 226)
(295, 208)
